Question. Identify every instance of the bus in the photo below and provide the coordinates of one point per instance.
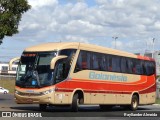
(74, 74)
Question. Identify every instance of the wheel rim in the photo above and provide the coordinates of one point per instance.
(77, 102)
(134, 103)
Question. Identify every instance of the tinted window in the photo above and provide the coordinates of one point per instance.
(124, 67)
(4, 68)
(149, 67)
(116, 64)
(104, 62)
(95, 61)
(83, 61)
(130, 64)
(138, 67)
(109, 63)
(67, 52)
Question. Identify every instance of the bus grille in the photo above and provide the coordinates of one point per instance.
(30, 94)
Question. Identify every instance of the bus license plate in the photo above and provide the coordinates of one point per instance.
(29, 100)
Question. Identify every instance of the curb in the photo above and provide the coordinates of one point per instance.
(156, 104)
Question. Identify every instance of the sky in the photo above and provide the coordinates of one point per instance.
(134, 22)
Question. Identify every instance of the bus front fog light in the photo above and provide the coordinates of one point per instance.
(49, 98)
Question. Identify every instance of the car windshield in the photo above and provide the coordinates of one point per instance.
(34, 70)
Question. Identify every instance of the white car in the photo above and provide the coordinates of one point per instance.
(4, 91)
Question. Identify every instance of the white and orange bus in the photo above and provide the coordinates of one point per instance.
(72, 73)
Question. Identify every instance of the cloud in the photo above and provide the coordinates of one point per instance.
(157, 25)
(133, 22)
(42, 3)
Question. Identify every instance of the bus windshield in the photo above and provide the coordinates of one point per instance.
(34, 70)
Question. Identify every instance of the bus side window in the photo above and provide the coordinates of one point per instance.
(109, 63)
(130, 66)
(144, 68)
(83, 61)
(116, 64)
(139, 67)
(88, 60)
(124, 65)
(95, 65)
(103, 63)
(79, 63)
(150, 68)
(134, 69)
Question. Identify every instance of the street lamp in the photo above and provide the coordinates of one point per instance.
(115, 38)
(153, 47)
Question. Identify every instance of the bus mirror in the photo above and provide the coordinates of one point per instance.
(53, 61)
(11, 62)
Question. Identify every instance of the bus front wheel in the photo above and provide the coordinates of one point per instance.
(75, 103)
(134, 103)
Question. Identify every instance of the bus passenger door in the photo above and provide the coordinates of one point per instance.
(61, 94)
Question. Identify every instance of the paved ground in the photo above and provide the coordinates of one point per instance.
(7, 104)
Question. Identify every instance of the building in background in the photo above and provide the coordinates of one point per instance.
(4, 69)
(156, 56)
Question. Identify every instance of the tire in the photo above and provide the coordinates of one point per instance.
(134, 103)
(5, 92)
(105, 107)
(42, 107)
(75, 103)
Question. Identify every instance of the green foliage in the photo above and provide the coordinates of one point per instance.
(10, 14)
(157, 101)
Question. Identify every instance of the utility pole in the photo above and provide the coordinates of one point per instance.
(153, 40)
(115, 39)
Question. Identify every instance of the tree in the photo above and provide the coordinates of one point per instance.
(10, 14)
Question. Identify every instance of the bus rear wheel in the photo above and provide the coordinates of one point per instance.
(75, 103)
(42, 107)
(134, 103)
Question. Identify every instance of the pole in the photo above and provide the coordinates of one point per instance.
(115, 39)
(153, 47)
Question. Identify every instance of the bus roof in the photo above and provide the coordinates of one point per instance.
(52, 46)
(83, 46)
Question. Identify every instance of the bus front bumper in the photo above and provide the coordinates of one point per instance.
(33, 99)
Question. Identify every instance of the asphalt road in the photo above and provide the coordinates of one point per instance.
(7, 104)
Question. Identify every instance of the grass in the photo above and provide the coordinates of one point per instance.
(7, 83)
(157, 101)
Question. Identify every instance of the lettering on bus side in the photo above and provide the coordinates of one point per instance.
(112, 77)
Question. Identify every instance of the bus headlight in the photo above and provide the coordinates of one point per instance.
(48, 91)
(16, 92)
